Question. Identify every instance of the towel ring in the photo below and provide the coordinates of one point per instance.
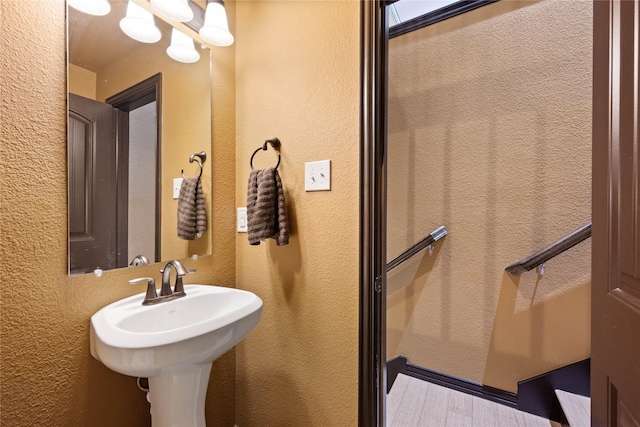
(202, 156)
(275, 143)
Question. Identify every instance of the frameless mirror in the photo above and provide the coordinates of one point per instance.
(136, 118)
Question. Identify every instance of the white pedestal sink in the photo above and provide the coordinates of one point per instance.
(173, 343)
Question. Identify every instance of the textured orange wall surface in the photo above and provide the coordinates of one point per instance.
(82, 82)
(48, 377)
(490, 135)
(298, 79)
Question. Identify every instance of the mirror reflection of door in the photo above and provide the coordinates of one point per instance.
(115, 181)
(92, 185)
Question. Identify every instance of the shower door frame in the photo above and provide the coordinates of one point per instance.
(373, 141)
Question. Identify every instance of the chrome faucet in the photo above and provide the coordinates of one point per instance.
(178, 289)
(139, 260)
(166, 294)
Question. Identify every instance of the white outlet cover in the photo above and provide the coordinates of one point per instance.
(317, 176)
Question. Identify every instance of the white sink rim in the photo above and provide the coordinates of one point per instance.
(105, 321)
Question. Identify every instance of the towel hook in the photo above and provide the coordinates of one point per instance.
(202, 156)
(275, 143)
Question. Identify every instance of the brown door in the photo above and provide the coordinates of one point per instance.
(615, 377)
(92, 185)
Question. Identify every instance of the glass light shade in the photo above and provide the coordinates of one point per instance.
(139, 24)
(216, 28)
(182, 48)
(178, 10)
(91, 7)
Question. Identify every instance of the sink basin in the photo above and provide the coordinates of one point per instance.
(140, 341)
(173, 344)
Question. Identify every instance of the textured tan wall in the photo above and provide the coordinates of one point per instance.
(47, 375)
(82, 81)
(490, 135)
(298, 79)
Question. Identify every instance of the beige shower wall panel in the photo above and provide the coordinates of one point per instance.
(298, 80)
(490, 135)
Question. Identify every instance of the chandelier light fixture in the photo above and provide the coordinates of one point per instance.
(182, 47)
(139, 24)
(216, 27)
(177, 10)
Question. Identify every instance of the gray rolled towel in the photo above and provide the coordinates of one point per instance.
(192, 214)
(266, 208)
(201, 211)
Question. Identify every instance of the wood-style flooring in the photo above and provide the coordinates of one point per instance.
(416, 403)
(576, 408)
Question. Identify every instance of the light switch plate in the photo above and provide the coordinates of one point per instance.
(317, 175)
(242, 220)
(177, 183)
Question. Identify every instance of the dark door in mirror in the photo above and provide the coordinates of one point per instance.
(92, 192)
(114, 170)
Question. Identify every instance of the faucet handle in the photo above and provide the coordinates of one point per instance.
(179, 287)
(151, 289)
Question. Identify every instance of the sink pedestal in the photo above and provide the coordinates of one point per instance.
(177, 396)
